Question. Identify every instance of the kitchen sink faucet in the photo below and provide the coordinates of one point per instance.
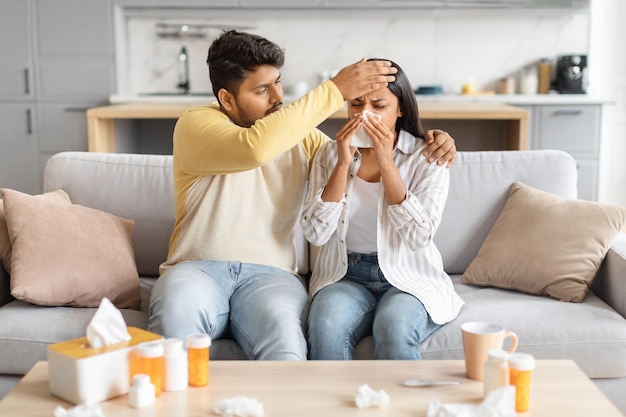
(183, 72)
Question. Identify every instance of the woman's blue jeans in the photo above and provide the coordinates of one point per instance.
(364, 303)
(262, 307)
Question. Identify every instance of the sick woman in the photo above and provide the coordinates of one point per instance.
(374, 211)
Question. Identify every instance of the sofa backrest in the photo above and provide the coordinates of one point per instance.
(140, 187)
(133, 186)
(479, 188)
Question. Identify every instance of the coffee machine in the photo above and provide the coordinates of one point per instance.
(571, 74)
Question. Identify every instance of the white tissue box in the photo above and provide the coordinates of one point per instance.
(84, 375)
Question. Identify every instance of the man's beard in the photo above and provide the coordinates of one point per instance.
(247, 120)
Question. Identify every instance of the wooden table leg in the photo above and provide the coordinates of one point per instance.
(518, 134)
(101, 134)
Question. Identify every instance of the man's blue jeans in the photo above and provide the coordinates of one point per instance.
(262, 307)
(364, 303)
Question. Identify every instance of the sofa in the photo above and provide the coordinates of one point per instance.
(140, 187)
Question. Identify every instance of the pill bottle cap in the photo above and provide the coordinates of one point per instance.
(198, 341)
(150, 349)
(173, 345)
(497, 356)
(141, 380)
(522, 361)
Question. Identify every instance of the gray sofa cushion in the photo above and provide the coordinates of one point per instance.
(590, 333)
(26, 330)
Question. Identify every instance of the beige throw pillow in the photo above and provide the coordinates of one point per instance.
(544, 244)
(5, 243)
(69, 255)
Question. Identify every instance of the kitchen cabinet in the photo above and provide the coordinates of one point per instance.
(62, 126)
(77, 77)
(574, 129)
(361, 4)
(177, 3)
(73, 27)
(384, 4)
(76, 70)
(16, 50)
(546, 4)
(282, 4)
(19, 148)
(75, 50)
(59, 62)
(19, 168)
(459, 4)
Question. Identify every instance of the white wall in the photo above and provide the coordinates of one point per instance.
(608, 55)
(433, 47)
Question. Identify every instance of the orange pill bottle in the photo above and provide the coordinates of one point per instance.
(151, 361)
(198, 359)
(521, 367)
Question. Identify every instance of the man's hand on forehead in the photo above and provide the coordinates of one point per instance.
(364, 77)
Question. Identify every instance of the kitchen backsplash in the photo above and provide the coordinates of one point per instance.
(432, 47)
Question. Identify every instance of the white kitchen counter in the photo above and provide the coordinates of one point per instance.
(520, 99)
(169, 98)
(515, 99)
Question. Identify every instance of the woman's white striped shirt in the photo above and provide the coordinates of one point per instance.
(407, 254)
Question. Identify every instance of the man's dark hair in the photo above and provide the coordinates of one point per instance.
(234, 54)
(401, 88)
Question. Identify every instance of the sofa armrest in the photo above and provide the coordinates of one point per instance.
(610, 283)
(5, 288)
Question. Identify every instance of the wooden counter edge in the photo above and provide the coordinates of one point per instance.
(101, 120)
(428, 110)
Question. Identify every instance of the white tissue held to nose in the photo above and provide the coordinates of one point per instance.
(361, 139)
(367, 397)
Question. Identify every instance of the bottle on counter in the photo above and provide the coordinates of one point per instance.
(521, 367)
(469, 87)
(506, 85)
(544, 69)
(141, 393)
(198, 359)
(176, 376)
(496, 374)
(151, 361)
(529, 82)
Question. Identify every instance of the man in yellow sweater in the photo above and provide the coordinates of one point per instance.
(240, 171)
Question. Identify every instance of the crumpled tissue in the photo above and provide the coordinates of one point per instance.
(498, 403)
(79, 411)
(239, 406)
(107, 326)
(360, 138)
(367, 397)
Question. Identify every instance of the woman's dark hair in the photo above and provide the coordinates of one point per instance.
(401, 88)
(234, 54)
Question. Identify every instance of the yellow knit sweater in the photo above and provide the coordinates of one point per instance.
(239, 191)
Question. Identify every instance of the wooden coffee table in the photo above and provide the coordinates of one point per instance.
(328, 388)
